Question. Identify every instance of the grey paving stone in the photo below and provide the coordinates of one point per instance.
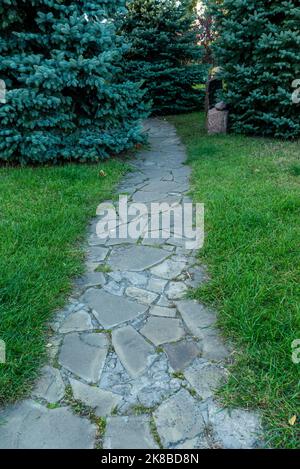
(161, 330)
(132, 349)
(114, 288)
(205, 377)
(168, 269)
(141, 295)
(164, 302)
(137, 279)
(94, 240)
(176, 290)
(181, 354)
(128, 433)
(213, 347)
(163, 311)
(84, 355)
(29, 425)
(164, 187)
(97, 253)
(201, 320)
(111, 310)
(50, 386)
(91, 279)
(235, 429)
(145, 197)
(101, 401)
(136, 258)
(157, 284)
(178, 419)
(78, 321)
(196, 276)
(196, 316)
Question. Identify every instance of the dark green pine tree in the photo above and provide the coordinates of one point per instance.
(67, 98)
(164, 53)
(258, 50)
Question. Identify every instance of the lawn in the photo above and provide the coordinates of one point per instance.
(251, 191)
(43, 219)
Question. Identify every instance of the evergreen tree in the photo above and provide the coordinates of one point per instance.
(164, 53)
(258, 51)
(67, 98)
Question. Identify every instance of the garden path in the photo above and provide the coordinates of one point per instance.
(132, 362)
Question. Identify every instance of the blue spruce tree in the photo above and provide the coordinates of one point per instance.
(67, 98)
(258, 50)
(164, 53)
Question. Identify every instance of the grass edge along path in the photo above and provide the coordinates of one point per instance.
(43, 220)
(251, 191)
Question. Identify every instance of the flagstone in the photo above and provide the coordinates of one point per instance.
(84, 355)
(133, 350)
(161, 330)
(136, 258)
(111, 310)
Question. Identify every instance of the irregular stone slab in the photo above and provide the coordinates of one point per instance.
(111, 310)
(94, 240)
(205, 377)
(163, 301)
(31, 426)
(128, 433)
(133, 350)
(213, 347)
(201, 320)
(181, 354)
(235, 429)
(196, 276)
(84, 355)
(168, 269)
(162, 330)
(176, 290)
(92, 279)
(157, 284)
(136, 258)
(102, 402)
(163, 311)
(137, 279)
(50, 386)
(114, 288)
(179, 418)
(143, 296)
(97, 253)
(145, 197)
(164, 187)
(79, 321)
(184, 171)
(196, 316)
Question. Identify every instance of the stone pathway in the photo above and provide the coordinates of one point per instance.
(132, 363)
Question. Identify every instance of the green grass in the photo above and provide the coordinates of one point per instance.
(251, 191)
(43, 218)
